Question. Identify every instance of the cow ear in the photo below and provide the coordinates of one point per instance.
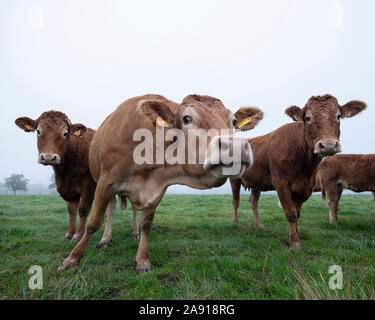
(78, 129)
(248, 118)
(296, 113)
(352, 108)
(160, 113)
(26, 124)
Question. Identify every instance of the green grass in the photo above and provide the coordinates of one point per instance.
(195, 251)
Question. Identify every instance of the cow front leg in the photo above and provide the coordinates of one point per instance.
(72, 209)
(135, 227)
(236, 188)
(254, 199)
(291, 214)
(142, 258)
(83, 213)
(373, 194)
(107, 234)
(103, 195)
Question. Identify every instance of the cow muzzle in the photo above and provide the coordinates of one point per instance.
(228, 156)
(49, 159)
(327, 147)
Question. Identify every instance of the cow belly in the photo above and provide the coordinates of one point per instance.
(358, 186)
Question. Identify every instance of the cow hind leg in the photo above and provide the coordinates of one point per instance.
(236, 188)
(254, 199)
(332, 191)
(107, 234)
(135, 227)
(103, 195)
(72, 209)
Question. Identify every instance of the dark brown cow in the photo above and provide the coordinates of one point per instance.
(65, 147)
(286, 159)
(355, 172)
(113, 165)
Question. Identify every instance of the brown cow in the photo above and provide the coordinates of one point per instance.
(355, 172)
(286, 159)
(65, 147)
(113, 165)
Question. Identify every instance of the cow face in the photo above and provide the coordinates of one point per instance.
(203, 115)
(321, 118)
(54, 131)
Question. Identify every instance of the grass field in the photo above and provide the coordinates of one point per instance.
(195, 251)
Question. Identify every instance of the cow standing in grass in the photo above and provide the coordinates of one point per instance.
(65, 147)
(286, 160)
(355, 172)
(113, 165)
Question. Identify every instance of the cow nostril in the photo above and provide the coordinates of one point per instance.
(41, 157)
(54, 158)
(321, 145)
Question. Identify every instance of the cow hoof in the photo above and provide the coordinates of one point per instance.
(143, 271)
(260, 226)
(333, 221)
(103, 244)
(68, 236)
(136, 236)
(68, 263)
(77, 237)
(295, 245)
(235, 221)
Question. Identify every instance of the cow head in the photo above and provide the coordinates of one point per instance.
(198, 115)
(321, 119)
(54, 131)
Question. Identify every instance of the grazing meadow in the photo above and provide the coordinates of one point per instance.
(196, 252)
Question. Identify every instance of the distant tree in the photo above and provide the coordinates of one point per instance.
(52, 185)
(16, 182)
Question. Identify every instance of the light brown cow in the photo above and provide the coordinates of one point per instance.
(355, 172)
(65, 147)
(113, 166)
(286, 159)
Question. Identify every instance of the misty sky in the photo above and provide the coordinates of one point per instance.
(86, 57)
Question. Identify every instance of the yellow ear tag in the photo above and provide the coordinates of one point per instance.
(28, 127)
(244, 122)
(161, 122)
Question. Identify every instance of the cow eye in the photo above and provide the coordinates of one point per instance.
(187, 119)
(338, 116)
(65, 134)
(234, 122)
(37, 132)
(307, 118)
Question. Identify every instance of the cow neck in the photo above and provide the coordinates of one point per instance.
(313, 158)
(176, 174)
(68, 162)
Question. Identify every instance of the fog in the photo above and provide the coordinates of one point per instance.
(86, 57)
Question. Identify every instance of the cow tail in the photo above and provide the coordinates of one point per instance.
(124, 202)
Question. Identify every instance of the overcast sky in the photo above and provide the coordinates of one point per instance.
(86, 57)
